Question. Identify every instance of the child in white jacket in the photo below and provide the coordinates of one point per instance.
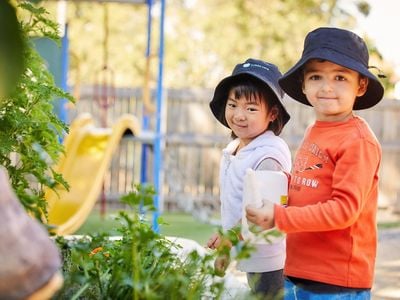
(249, 103)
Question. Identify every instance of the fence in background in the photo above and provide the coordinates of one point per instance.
(194, 140)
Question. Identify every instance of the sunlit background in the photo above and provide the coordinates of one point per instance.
(204, 39)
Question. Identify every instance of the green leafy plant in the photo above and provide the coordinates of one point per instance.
(139, 264)
(30, 130)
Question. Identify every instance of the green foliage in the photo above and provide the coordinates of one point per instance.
(30, 130)
(230, 32)
(39, 23)
(140, 264)
(203, 39)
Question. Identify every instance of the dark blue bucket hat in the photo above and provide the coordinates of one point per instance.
(341, 47)
(260, 70)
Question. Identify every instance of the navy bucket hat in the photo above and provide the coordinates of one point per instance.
(341, 47)
(262, 71)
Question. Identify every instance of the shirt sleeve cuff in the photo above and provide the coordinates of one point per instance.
(278, 216)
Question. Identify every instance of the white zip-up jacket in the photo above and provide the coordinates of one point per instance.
(266, 257)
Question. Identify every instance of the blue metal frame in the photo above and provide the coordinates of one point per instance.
(159, 139)
(64, 73)
(62, 109)
(145, 118)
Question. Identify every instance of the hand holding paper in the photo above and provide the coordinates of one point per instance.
(261, 190)
(261, 216)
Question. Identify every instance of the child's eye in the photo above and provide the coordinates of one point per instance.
(231, 104)
(252, 109)
(340, 78)
(314, 77)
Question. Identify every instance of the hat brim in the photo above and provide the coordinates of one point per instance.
(218, 102)
(291, 81)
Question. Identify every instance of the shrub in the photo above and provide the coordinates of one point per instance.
(140, 264)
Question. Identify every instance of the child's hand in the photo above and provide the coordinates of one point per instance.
(218, 242)
(262, 216)
(214, 242)
(221, 264)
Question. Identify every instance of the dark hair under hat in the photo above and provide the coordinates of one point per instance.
(341, 47)
(263, 72)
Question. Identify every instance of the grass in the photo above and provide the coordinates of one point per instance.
(176, 224)
(184, 225)
(387, 225)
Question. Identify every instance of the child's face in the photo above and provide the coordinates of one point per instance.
(332, 89)
(248, 119)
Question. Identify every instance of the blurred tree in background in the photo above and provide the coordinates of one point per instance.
(204, 39)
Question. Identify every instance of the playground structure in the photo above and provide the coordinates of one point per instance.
(156, 109)
(88, 153)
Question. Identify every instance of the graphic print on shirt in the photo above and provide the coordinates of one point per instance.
(309, 160)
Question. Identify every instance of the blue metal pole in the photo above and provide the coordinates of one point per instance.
(145, 119)
(62, 109)
(64, 72)
(149, 27)
(159, 139)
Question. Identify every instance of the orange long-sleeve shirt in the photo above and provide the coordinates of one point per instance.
(331, 218)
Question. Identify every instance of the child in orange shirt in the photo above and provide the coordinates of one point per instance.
(331, 218)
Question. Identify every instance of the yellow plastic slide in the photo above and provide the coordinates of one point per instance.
(88, 153)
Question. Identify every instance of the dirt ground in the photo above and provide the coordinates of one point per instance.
(387, 270)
